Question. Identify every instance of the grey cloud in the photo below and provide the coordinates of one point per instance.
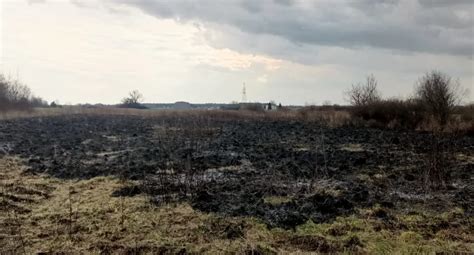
(252, 5)
(446, 19)
(374, 7)
(444, 3)
(399, 25)
(284, 2)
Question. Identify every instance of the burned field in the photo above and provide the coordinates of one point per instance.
(231, 166)
(282, 172)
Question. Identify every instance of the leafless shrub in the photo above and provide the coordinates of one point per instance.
(369, 108)
(439, 95)
(364, 93)
(438, 160)
(391, 113)
(440, 98)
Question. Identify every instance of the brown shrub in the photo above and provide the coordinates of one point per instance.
(392, 113)
(333, 116)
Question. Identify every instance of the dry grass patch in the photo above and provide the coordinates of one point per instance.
(77, 217)
(276, 200)
(351, 147)
(43, 214)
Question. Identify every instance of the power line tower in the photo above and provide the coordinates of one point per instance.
(244, 94)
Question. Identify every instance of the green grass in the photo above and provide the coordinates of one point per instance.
(276, 200)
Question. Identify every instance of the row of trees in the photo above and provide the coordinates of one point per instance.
(15, 95)
(436, 96)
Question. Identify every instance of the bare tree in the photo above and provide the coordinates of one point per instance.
(364, 94)
(19, 92)
(439, 95)
(15, 95)
(134, 98)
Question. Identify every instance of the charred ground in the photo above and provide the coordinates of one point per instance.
(234, 167)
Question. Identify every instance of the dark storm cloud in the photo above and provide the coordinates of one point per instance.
(428, 26)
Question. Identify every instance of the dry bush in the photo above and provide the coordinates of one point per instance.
(364, 93)
(439, 95)
(435, 106)
(333, 117)
(391, 113)
(369, 108)
(439, 159)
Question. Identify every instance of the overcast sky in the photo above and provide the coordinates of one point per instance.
(290, 51)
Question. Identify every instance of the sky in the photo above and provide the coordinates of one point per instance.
(295, 52)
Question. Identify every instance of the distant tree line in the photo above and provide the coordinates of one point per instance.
(15, 95)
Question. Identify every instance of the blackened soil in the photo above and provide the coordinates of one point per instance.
(230, 166)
